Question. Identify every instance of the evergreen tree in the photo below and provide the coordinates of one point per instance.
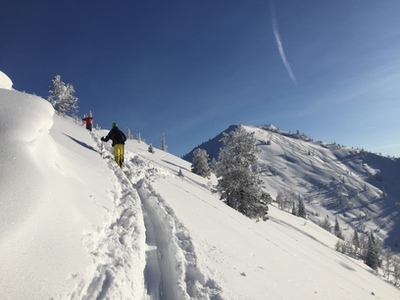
(213, 165)
(294, 210)
(62, 97)
(238, 173)
(301, 211)
(129, 134)
(356, 242)
(280, 199)
(363, 245)
(387, 259)
(163, 144)
(372, 257)
(396, 270)
(338, 231)
(286, 200)
(200, 163)
(151, 149)
(326, 224)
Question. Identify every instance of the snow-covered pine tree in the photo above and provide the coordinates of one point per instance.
(356, 242)
(372, 257)
(200, 163)
(294, 209)
(129, 134)
(363, 239)
(396, 270)
(151, 149)
(280, 199)
(387, 262)
(301, 211)
(62, 97)
(163, 144)
(213, 165)
(286, 200)
(337, 230)
(326, 224)
(238, 173)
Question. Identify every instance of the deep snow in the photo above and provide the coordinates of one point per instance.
(76, 226)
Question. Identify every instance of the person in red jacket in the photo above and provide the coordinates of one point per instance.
(89, 120)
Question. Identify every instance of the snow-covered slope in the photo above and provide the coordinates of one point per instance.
(76, 226)
(5, 81)
(358, 187)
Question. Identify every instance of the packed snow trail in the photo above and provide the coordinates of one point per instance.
(171, 270)
(166, 268)
(160, 270)
(152, 272)
(117, 249)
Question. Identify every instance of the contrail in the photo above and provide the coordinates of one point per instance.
(279, 43)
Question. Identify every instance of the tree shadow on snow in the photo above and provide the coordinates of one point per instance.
(81, 143)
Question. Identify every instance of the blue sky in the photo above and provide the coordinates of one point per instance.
(189, 69)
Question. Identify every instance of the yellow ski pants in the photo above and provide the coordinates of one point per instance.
(119, 154)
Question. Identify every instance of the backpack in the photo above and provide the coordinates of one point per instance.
(119, 137)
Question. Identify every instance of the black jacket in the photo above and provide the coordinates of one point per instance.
(116, 135)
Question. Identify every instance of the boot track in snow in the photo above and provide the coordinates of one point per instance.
(144, 239)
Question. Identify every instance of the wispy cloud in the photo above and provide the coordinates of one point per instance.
(279, 42)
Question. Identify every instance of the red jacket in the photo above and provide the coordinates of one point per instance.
(88, 120)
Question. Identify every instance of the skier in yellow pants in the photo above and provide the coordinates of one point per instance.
(119, 154)
(118, 142)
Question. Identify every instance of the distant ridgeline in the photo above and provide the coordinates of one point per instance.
(213, 146)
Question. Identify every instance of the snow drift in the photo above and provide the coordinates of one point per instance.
(76, 226)
(5, 81)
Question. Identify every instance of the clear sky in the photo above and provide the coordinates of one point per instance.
(189, 69)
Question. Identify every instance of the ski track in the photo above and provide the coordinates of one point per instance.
(171, 271)
(143, 239)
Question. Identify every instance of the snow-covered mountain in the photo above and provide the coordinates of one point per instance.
(76, 226)
(360, 188)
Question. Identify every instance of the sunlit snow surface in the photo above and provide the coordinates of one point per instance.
(76, 226)
(5, 81)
